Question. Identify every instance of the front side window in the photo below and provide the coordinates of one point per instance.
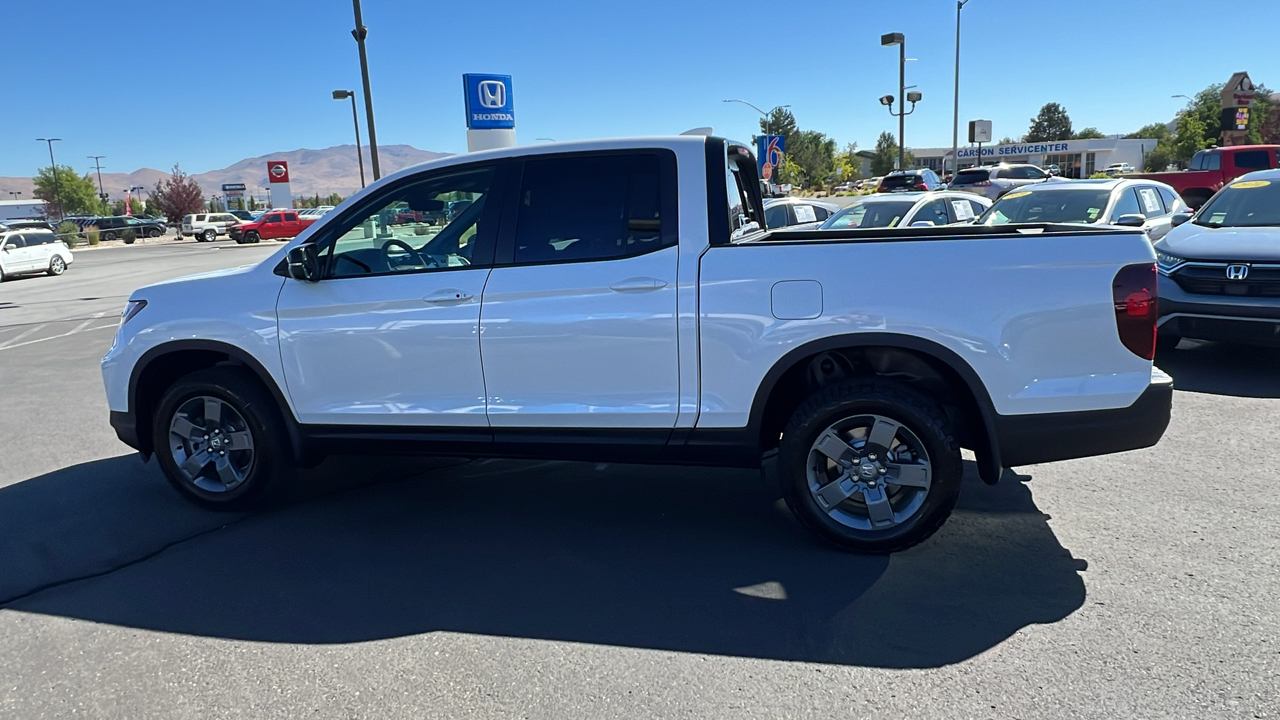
(272, 219)
(409, 228)
(1126, 204)
(775, 216)
(613, 210)
(13, 243)
(934, 212)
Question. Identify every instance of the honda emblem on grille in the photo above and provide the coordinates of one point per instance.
(1237, 272)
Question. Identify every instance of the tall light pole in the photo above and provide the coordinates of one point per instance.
(97, 165)
(15, 194)
(900, 40)
(360, 33)
(768, 116)
(57, 186)
(355, 118)
(955, 118)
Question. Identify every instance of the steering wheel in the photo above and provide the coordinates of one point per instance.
(396, 242)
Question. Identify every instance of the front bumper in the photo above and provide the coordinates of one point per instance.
(1224, 318)
(1049, 437)
(234, 233)
(126, 427)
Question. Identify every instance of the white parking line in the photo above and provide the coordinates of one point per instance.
(55, 337)
(20, 336)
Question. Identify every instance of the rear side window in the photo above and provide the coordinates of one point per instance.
(1170, 199)
(614, 211)
(969, 177)
(1253, 159)
(1126, 204)
(1151, 202)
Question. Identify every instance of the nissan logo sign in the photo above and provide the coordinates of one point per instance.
(278, 171)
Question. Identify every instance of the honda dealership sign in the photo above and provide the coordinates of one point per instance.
(491, 115)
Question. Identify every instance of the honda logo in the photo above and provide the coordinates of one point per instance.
(493, 94)
(1237, 272)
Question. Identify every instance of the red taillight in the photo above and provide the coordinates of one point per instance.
(1136, 297)
(921, 186)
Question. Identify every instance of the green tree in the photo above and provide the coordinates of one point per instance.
(65, 191)
(1155, 131)
(847, 164)
(1191, 136)
(814, 152)
(1088, 133)
(885, 155)
(1052, 123)
(780, 122)
(1206, 106)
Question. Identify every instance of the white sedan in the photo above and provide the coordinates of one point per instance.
(29, 250)
(908, 209)
(790, 211)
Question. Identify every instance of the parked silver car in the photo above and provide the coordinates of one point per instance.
(908, 209)
(992, 181)
(1133, 203)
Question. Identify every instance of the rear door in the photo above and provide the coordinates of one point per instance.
(40, 246)
(578, 326)
(1152, 205)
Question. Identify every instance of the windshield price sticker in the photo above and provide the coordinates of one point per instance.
(964, 211)
(1251, 184)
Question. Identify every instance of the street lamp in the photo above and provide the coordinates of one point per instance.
(15, 194)
(903, 95)
(768, 116)
(268, 189)
(343, 95)
(57, 186)
(102, 194)
(544, 139)
(360, 33)
(955, 117)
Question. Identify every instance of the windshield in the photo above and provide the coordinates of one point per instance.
(892, 182)
(869, 214)
(1246, 203)
(1047, 206)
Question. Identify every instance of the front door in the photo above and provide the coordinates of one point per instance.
(16, 255)
(579, 317)
(391, 335)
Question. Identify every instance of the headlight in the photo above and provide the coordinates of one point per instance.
(132, 308)
(1166, 261)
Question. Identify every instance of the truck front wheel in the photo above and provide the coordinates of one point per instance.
(870, 466)
(251, 237)
(219, 438)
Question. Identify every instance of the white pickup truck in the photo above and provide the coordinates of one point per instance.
(619, 301)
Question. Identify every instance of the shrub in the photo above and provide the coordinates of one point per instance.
(91, 233)
(1100, 176)
(128, 236)
(68, 232)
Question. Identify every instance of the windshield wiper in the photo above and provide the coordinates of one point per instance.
(1210, 224)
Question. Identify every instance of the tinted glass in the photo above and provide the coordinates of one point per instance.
(1126, 204)
(1253, 159)
(272, 219)
(1248, 203)
(893, 182)
(821, 213)
(1171, 200)
(866, 214)
(14, 242)
(33, 239)
(290, 217)
(775, 216)
(1213, 161)
(612, 211)
(968, 177)
(1048, 206)
(934, 212)
(406, 230)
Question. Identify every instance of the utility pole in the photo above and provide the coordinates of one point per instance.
(57, 186)
(102, 194)
(955, 117)
(360, 33)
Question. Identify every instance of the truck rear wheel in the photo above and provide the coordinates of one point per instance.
(870, 466)
(219, 438)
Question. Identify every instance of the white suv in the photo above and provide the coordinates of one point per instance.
(31, 250)
(206, 227)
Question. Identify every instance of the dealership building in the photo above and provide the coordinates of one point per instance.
(1075, 158)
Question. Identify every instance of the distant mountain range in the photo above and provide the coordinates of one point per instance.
(311, 171)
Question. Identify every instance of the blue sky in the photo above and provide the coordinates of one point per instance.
(153, 82)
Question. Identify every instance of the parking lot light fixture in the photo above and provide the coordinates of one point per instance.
(360, 33)
(889, 40)
(355, 118)
(955, 117)
(768, 115)
(53, 167)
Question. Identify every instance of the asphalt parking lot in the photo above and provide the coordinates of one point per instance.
(1145, 584)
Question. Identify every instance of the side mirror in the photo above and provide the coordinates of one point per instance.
(304, 263)
(1179, 218)
(1131, 220)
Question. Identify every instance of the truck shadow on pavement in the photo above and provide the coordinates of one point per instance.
(682, 559)
(1223, 369)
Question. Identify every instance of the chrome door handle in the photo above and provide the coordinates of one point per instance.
(638, 284)
(448, 297)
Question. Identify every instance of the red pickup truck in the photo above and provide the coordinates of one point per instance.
(273, 225)
(1213, 168)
